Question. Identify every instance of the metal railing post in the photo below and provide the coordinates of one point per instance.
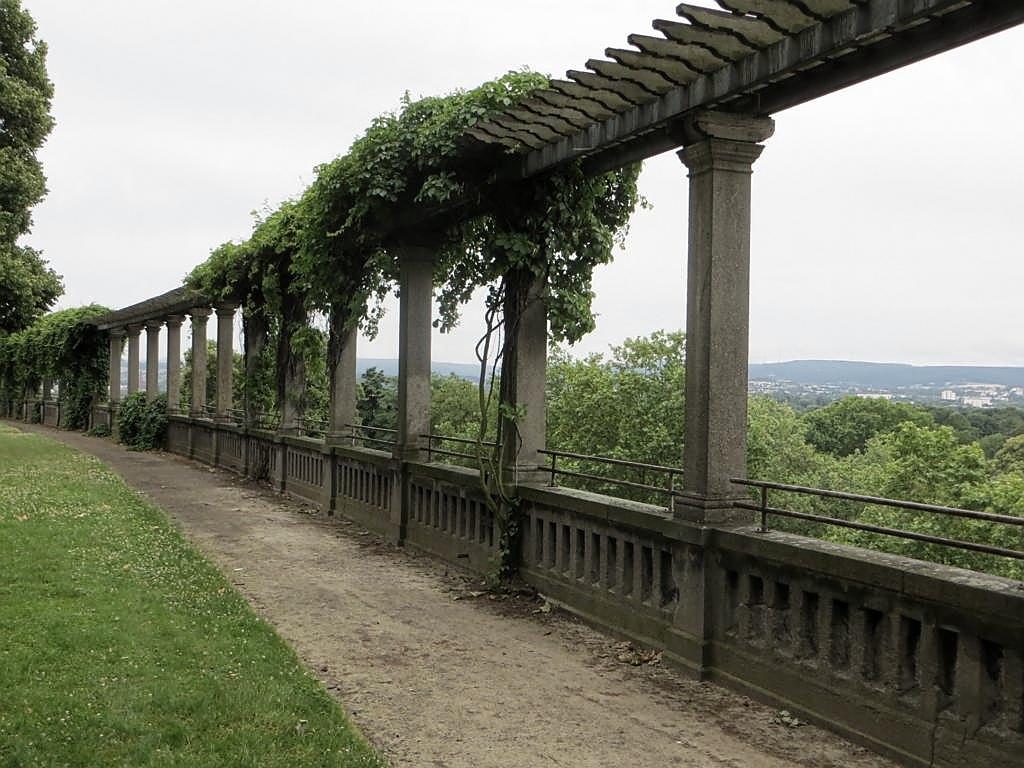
(764, 510)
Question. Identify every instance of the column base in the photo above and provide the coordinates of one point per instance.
(527, 473)
(711, 510)
(408, 453)
(339, 438)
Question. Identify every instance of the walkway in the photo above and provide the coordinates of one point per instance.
(437, 674)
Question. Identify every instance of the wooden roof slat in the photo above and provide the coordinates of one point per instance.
(696, 57)
(566, 114)
(824, 9)
(648, 79)
(723, 44)
(487, 138)
(521, 137)
(755, 32)
(556, 123)
(538, 129)
(631, 92)
(671, 69)
(781, 14)
(612, 100)
(589, 107)
(851, 41)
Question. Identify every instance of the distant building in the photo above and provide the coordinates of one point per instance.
(876, 395)
(947, 394)
(978, 402)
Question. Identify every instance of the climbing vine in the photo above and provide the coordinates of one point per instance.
(335, 250)
(63, 347)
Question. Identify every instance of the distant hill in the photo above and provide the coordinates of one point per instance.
(390, 367)
(884, 374)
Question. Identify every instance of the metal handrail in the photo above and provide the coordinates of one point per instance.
(432, 451)
(368, 438)
(672, 472)
(764, 509)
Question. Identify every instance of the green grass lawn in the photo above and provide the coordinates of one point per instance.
(121, 645)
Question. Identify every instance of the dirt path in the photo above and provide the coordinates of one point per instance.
(438, 675)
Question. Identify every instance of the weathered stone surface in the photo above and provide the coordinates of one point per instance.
(153, 358)
(717, 308)
(198, 316)
(414, 328)
(174, 362)
(225, 359)
(133, 357)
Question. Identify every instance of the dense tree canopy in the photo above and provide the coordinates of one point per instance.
(27, 286)
(629, 405)
(847, 425)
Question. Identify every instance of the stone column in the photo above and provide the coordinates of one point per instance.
(133, 358)
(153, 358)
(174, 362)
(198, 317)
(114, 377)
(344, 384)
(523, 380)
(416, 273)
(225, 359)
(719, 152)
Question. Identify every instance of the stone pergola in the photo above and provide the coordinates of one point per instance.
(906, 657)
(706, 87)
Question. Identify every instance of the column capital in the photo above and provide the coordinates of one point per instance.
(225, 308)
(154, 325)
(199, 314)
(710, 124)
(117, 333)
(134, 329)
(174, 321)
(722, 141)
(419, 247)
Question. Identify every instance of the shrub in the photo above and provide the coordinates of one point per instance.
(100, 430)
(142, 423)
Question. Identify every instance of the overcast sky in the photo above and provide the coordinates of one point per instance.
(887, 220)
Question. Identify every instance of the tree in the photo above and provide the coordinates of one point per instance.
(1010, 458)
(847, 425)
(28, 287)
(629, 406)
(377, 402)
(929, 464)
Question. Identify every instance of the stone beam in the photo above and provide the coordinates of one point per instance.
(866, 40)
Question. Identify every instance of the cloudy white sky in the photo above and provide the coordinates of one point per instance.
(888, 217)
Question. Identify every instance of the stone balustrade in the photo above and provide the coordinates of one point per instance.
(917, 660)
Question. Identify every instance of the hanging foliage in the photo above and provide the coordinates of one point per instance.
(65, 348)
(336, 249)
